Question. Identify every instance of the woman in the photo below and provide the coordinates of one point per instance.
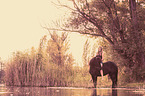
(100, 52)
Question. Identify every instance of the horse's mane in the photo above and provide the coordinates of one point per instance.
(95, 60)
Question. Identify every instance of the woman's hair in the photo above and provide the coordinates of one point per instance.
(100, 51)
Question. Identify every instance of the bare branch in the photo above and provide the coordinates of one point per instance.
(54, 29)
(62, 5)
(94, 22)
(93, 34)
(89, 18)
(81, 32)
(75, 31)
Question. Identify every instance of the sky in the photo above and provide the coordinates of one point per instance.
(21, 24)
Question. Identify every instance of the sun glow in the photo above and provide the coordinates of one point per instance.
(21, 23)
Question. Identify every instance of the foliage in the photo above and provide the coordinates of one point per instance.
(60, 60)
(86, 53)
(58, 51)
(20, 70)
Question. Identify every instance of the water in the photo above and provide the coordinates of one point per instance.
(68, 91)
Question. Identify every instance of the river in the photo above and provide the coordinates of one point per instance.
(68, 91)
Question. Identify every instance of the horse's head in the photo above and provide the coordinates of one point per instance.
(98, 59)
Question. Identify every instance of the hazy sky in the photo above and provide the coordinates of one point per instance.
(20, 25)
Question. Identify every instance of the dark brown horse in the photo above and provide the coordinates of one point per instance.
(108, 68)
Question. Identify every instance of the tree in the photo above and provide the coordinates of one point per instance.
(41, 55)
(120, 23)
(57, 49)
(60, 60)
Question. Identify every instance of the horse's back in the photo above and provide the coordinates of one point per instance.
(111, 65)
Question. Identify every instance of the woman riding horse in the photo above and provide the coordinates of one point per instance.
(107, 68)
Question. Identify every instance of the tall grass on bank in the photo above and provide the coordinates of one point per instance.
(23, 70)
(49, 65)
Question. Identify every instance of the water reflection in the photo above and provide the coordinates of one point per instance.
(67, 91)
(117, 92)
(114, 92)
(94, 92)
(108, 93)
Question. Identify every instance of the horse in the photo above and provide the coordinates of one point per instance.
(108, 68)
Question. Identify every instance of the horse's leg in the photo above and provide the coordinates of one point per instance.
(111, 76)
(114, 80)
(94, 80)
